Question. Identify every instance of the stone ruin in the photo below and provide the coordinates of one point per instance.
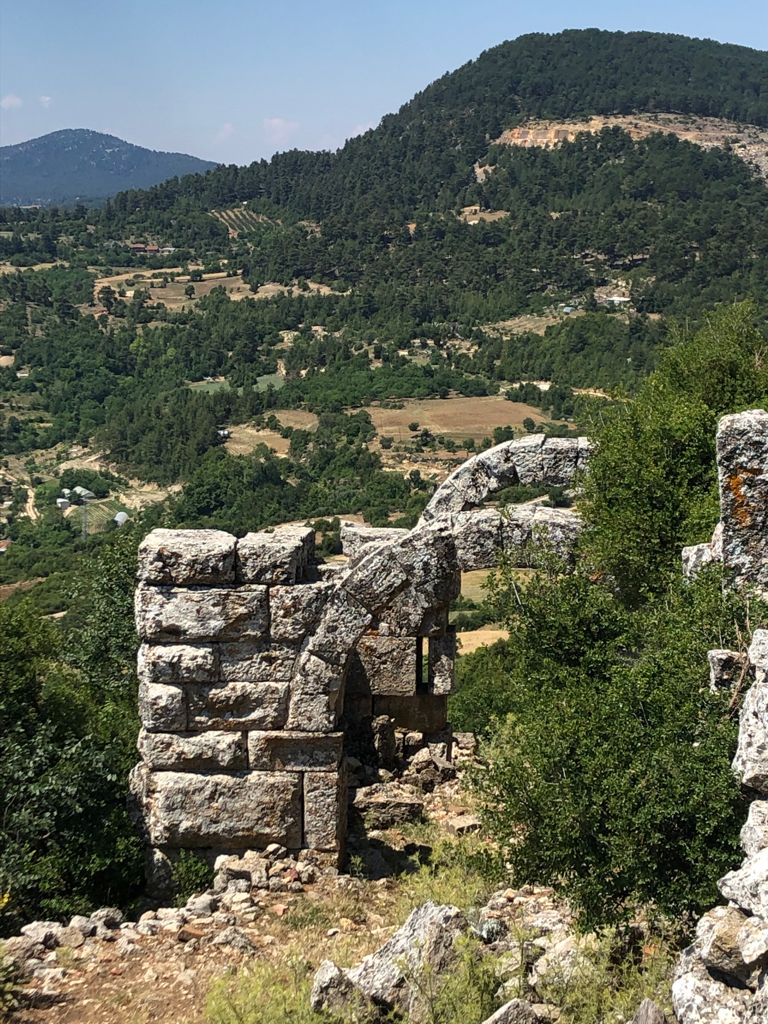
(723, 977)
(263, 670)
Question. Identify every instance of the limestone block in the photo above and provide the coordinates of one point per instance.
(474, 481)
(205, 751)
(315, 690)
(444, 502)
(748, 886)
(355, 537)
(726, 668)
(477, 535)
(294, 751)
(717, 942)
(374, 578)
(424, 712)
(751, 760)
(251, 809)
(754, 832)
(442, 661)
(342, 623)
(428, 556)
(559, 459)
(246, 663)
(695, 558)
(238, 705)
(584, 454)
(274, 558)
(527, 455)
(558, 529)
(162, 707)
(177, 663)
(212, 613)
(186, 557)
(699, 998)
(384, 665)
(325, 810)
(295, 611)
(742, 460)
(752, 940)
(516, 533)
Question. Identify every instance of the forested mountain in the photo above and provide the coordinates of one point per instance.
(78, 164)
(423, 155)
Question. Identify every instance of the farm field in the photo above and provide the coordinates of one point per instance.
(473, 639)
(244, 438)
(453, 417)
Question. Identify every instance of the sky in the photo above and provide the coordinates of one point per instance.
(236, 81)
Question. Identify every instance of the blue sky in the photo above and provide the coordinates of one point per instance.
(236, 81)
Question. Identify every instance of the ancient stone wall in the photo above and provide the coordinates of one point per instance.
(262, 671)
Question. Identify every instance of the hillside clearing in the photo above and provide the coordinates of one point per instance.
(457, 418)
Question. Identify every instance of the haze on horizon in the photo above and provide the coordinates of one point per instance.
(242, 82)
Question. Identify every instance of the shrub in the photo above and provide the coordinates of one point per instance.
(191, 876)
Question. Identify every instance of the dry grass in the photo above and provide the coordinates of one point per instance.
(458, 418)
(243, 439)
(473, 639)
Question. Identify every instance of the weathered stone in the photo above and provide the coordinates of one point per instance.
(186, 557)
(355, 537)
(478, 538)
(294, 751)
(754, 832)
(649, 1013)
(698, 998)
(333, 991)
(517, 533)
(516, 1011)
(384, 665)
(557, 529)
(758, 1011)
(162, 707)
(395, 976)
(742, 459)
(474, 481)
(295, 611)
(277, 557)
(247, 810)
(424, 712)
(374, 578)
(748, 886)
(565, 962)
(559, 460)
(203, 751)
(695, 558)
(726, 669)
(717, 942)
(256, 705)
(253, 663)
(339, 629)
(314, 700)
(213, 613)
(526, 453)
(325, 810)
(752, 941)
(177, 663)
(386, 804)
(751, 760)
(442, 658)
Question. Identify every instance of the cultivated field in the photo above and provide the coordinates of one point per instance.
(457, 418)
(243, 439)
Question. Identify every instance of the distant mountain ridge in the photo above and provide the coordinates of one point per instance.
(79, 164)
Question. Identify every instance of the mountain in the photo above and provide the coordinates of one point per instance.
(78, 164)
(424, 154)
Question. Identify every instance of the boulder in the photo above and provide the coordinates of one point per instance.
(747, 887)
(717, 943)
(752, 940)
(386, 804)
(393, 977)
(698, 998)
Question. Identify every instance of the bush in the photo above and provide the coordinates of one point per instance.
(191, 876)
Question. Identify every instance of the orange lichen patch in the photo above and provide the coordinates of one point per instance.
(735, 484)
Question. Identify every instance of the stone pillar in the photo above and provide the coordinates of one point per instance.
(742, 460)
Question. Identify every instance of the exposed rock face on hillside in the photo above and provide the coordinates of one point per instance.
(748, 142)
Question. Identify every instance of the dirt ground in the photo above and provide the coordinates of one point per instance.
(453, 417)
(244, 438)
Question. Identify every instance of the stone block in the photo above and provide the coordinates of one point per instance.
(558, 529)
(296, 610)
(205, 751)
(177, 663)
(242, 811)
(425, 712)
(742, 460)
(754, 832)
(527, 456)
(374, 578)
(474, 481)
(238, 705)
(726, 669)
(355, 537)
(162, 707)
(559, 460)
(245, 663)
(294, 751)
(517, 533)
(276, 557)
(751, 760)
(478, 538)
(315, 690)
(384, 665)
(339, 629)
(187, 557)
(747, 887)
(213, 613)
(442, 660)
(325, 810)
